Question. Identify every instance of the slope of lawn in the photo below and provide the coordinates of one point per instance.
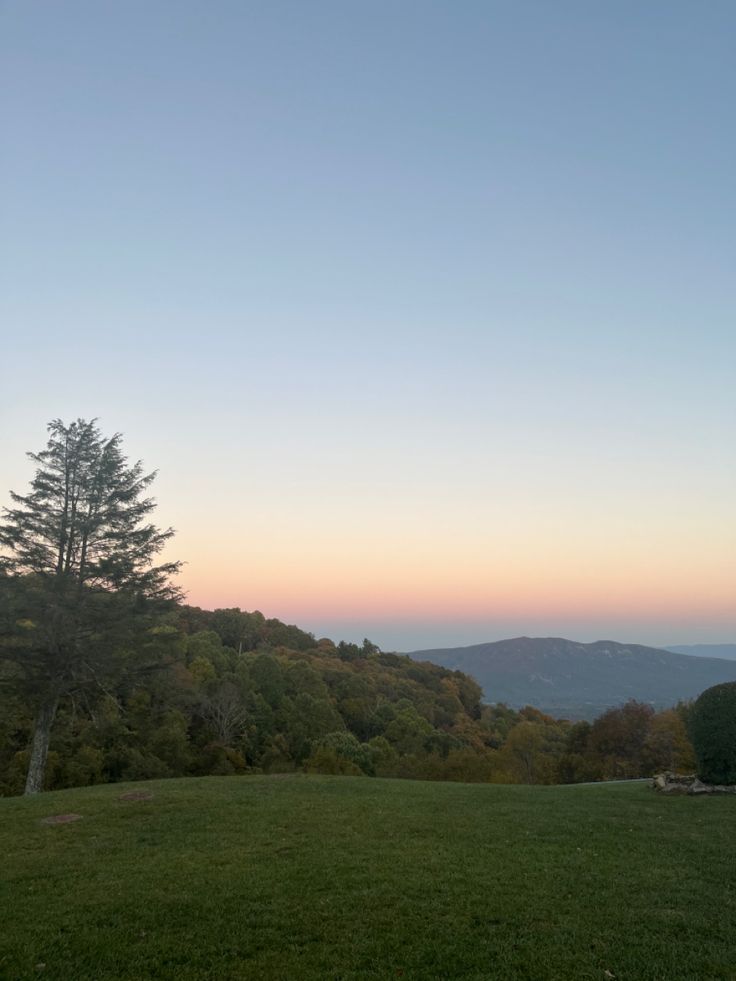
(308, 877)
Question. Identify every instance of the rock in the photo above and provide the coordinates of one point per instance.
(698, 787)
(671, 783)
(687, 783)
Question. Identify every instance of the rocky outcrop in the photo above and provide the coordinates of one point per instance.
(688, 783)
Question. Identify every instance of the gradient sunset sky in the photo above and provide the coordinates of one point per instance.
(424, 311)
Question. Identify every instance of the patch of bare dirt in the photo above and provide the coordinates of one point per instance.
(136, 795)
(61, 818)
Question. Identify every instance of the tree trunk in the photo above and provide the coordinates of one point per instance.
(40, 748)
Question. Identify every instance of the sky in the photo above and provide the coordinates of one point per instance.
(423, 311)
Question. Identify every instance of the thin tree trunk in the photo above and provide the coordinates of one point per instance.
(41, 739)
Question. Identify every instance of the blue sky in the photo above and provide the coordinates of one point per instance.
(424, 311)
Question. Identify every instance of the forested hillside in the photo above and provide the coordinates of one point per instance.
(230, 692)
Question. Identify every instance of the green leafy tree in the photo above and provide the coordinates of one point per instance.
(713, 733)
(408, 732)
(524, 752)
(81, 580)
(341, 752)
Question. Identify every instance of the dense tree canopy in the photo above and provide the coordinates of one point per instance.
(248, 706)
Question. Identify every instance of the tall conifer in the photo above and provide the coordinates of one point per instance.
(80, 569)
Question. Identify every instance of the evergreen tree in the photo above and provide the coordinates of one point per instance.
(80, 584)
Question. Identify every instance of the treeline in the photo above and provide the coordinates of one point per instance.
(229, 692)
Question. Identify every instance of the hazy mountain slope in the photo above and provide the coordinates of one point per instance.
(727, 651)
(574, 680)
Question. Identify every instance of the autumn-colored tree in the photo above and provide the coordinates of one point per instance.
(667, 745)
(618, 738)
(531, 751)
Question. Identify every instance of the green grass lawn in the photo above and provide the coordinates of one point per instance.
(308, 877)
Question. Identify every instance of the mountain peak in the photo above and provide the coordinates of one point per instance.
(580, 680)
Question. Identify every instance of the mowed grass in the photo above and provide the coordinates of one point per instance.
(308, 877)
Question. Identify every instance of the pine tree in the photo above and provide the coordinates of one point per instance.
(80, 579)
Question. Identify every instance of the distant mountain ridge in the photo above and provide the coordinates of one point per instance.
(573, 680)
(725, 651)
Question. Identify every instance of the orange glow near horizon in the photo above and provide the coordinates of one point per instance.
(467, 585)
(580, 550)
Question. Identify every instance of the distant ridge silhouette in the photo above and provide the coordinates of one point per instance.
(572, 680)
(727, 651)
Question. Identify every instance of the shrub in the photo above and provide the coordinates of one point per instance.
(340, 752)
(713, 733)
(326, 759)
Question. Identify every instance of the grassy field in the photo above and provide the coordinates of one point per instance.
(341, 879)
